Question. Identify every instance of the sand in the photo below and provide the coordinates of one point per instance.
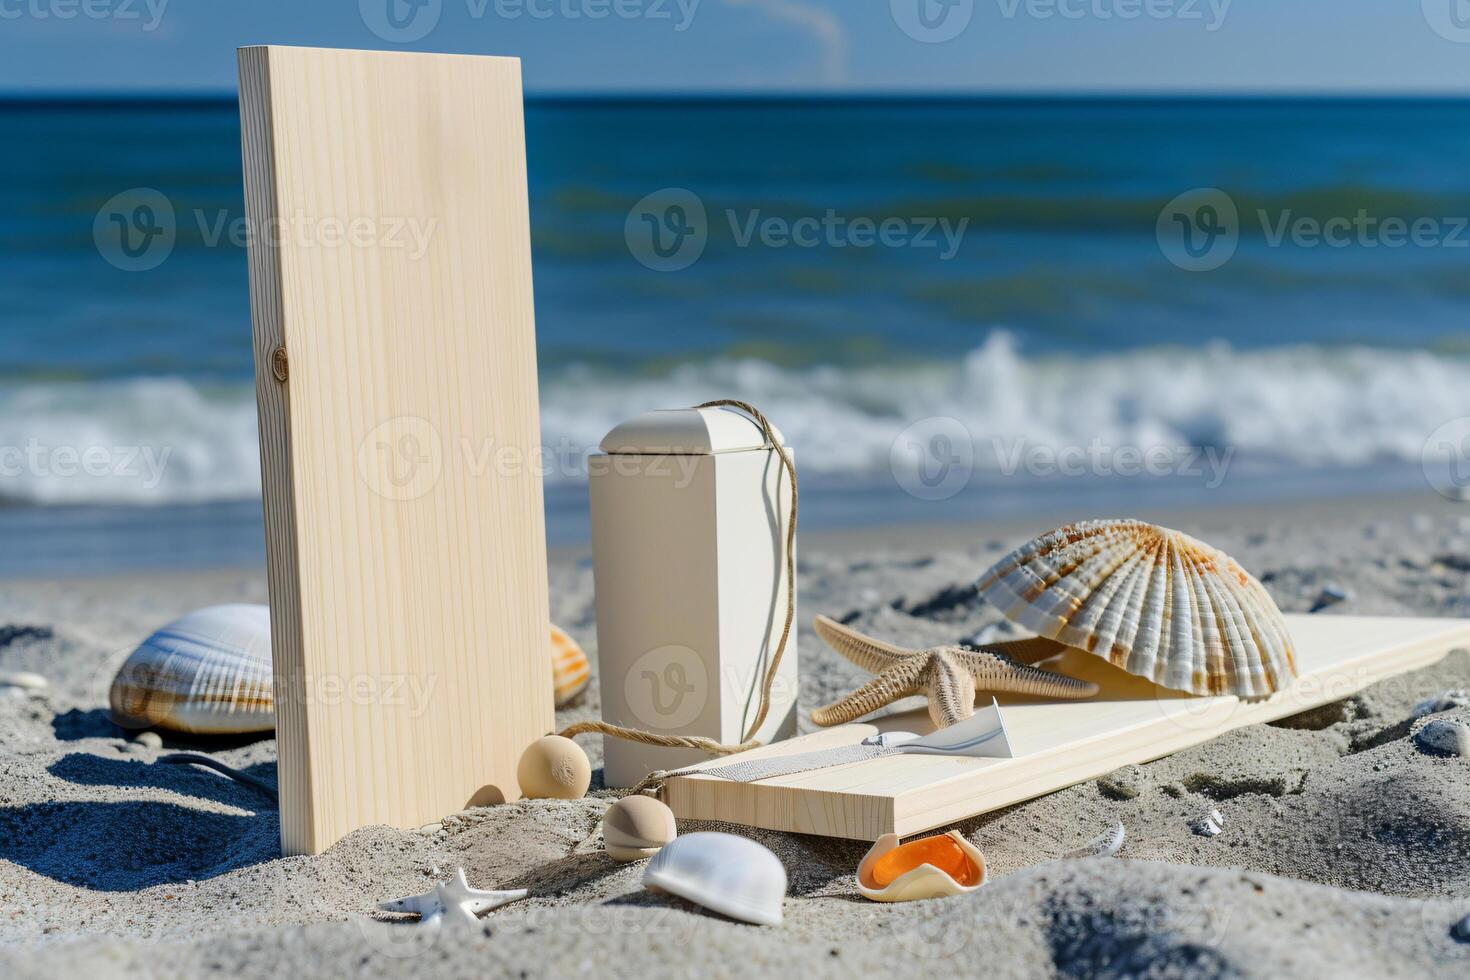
(1345, 848)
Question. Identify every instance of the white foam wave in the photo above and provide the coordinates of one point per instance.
(166, 440)
(1301, 405)
(143, 441)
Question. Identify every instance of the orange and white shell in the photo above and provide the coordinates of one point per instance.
(207, 672)
(925, 881)
(1155, 602)
(570, 670)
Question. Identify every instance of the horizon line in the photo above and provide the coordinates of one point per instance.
(63, 98)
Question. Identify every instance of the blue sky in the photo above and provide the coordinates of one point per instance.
(682, 46)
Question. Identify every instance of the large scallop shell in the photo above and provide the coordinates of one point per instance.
(1155, 602)
(208, 672)
(570, 670)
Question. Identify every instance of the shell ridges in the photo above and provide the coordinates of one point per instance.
(1150, 600)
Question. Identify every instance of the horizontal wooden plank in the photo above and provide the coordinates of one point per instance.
(1057, 743)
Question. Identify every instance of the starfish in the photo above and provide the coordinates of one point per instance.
(454, 902)
(948, 676)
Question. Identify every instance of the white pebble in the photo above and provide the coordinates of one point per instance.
(23, 679)
(1450, 736)
(1421, 524)
(149, 740)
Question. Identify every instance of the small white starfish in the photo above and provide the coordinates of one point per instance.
(454, 902)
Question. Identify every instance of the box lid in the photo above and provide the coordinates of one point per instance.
(687, 432)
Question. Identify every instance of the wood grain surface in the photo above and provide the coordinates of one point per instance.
(1056, 743)
(390, 283)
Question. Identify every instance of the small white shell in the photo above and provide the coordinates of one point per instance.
(1105, 844)
(1443, 701)
(925, 881)
(1155, 602)
(731, 875)
(23, 679)
(1212, 824)
(207, 672)
(1449, 736)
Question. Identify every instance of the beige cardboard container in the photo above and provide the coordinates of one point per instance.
(689, 518)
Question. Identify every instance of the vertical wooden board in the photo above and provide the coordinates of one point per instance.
(390, 255)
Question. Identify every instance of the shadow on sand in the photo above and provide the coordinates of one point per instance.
(125, 846)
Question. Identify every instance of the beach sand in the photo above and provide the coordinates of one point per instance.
(1345, 849)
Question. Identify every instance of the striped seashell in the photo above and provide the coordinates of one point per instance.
(208, 672)
(570, 670)
(1155, 602)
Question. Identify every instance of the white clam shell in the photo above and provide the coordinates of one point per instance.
(1155, 602)
(731, 875)
(208, 672)
(925, 881)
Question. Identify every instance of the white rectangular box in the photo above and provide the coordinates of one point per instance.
(689, 516)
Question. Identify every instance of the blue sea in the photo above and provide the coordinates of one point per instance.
(881, 276)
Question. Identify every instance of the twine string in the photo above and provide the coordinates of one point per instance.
(708, 745)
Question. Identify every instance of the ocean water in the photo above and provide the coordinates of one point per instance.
(1001, 289)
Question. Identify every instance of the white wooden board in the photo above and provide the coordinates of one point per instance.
(390, 261)
(1056, 743)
